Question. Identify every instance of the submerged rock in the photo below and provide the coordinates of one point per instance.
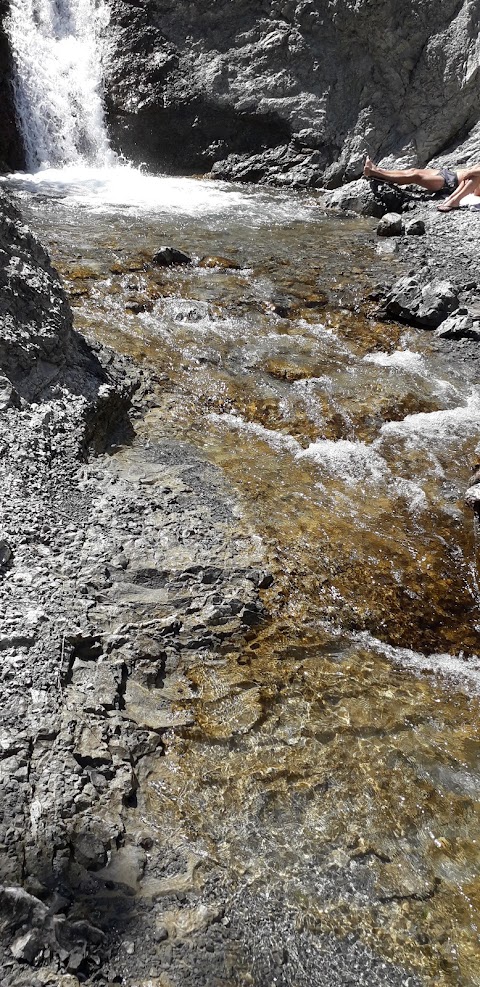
(137, 305)
(222, 262)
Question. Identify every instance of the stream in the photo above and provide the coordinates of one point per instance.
(334, 757)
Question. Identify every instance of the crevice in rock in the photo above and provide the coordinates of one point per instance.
(122, 686)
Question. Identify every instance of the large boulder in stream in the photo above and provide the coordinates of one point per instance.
(419, 303)
(291, 91)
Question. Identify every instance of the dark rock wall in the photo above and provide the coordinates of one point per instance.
(11, 148)
(313, 83)
(290, 91)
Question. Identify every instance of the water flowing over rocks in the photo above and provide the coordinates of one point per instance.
(126, 567)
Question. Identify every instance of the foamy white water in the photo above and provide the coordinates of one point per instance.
(458, 671)
(353, 461)
(443, 426)
(121, 188)
(277, 440)
(58, 80)
(399, 360)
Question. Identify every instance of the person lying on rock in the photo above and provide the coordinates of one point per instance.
(458, 184)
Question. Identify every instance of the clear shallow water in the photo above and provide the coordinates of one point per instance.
(336, 754)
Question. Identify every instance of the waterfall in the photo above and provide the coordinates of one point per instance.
(58, 81)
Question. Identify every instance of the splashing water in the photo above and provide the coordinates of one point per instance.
(58, 81)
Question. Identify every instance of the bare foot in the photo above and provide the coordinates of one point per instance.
(444, 208)
(368, 167)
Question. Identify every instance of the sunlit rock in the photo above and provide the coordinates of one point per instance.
(421, 304)
(390, 225)
(461, 325)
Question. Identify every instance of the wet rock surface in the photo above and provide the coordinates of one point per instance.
(11, 145)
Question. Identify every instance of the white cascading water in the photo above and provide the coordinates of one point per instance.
(58, 81)
(57, 52)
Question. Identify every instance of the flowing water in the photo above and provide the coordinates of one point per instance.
(335, 754)
(58, 80)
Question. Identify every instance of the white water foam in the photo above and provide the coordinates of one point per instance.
(400, 360)
(442, 426)
(352, 461)
(412, 493)
(58, 80)
(460, 672)
(409, 362)
(123, 189)
(277, 440)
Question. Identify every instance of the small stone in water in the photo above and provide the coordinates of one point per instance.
(169, 256)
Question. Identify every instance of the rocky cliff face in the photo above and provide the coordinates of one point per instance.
(291, 90)
(288, 91)
(11, 148)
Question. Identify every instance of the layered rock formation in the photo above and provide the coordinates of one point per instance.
(291, 92)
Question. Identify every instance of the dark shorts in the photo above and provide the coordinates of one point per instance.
(450, 178)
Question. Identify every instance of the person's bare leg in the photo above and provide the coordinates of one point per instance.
(427, 178)
(468, 187)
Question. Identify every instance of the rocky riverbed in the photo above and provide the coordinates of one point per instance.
(126, 563)
(440, 288)
(116, 570)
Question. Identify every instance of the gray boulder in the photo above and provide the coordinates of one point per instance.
(390, 225)
(459, 326)
(415, 227)
(355, 197)
(421, 304)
